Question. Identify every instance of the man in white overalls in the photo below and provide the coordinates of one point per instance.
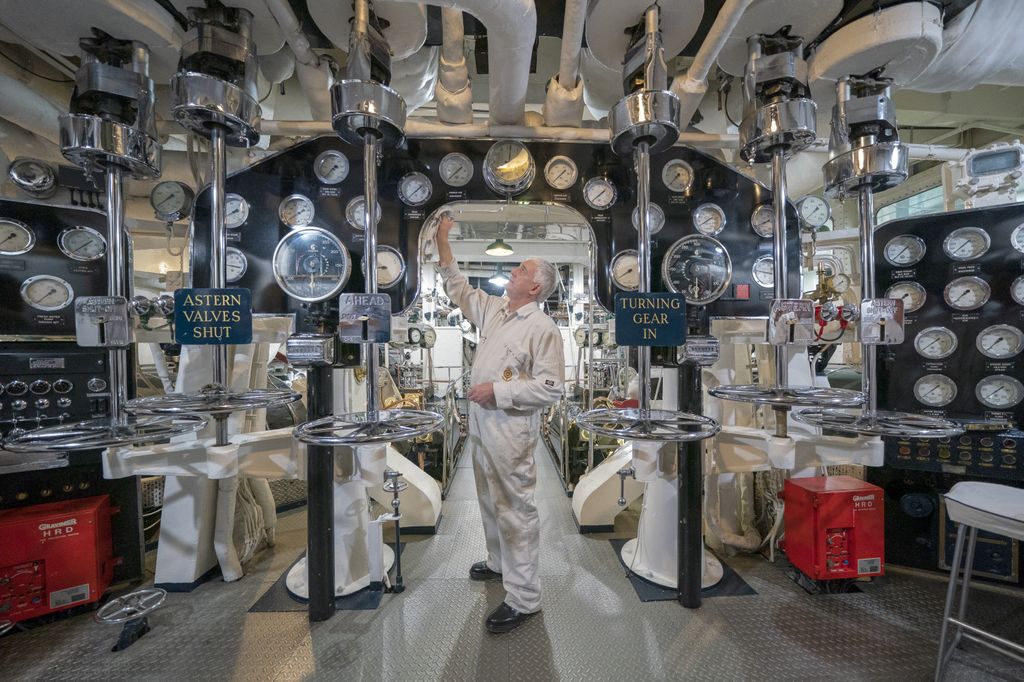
(518, 370)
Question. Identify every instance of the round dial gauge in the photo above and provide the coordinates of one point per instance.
(599, 193)
(296, 210)
(966, 243)
(1017, 290)
(414, 189)
(1000, 392)
(967, 293)
(390, 266)
(763, 220)
(1017, 238)
(560, 172)
(709, 219)
(840, 282)
(764, 271)
(508, 167)
(626, 270)
(580, 336)
(236, 211)
(912, 293)
(46, 292)
(172, 200)
(355, 212)
(935, 343)
(16, 237)
(456, 169)
(82, 243)
(655, 218)
(904, 250)
(415, 335)
(813, 211)
(236, 264)
(1000, 341)
(429, 337)
(311, 264)
(331, 167)
(34, 176)
(677, 175)
(935, 390)
(698, 267)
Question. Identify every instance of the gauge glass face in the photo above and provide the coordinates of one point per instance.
(935, 343)
(236, 211)
(967, 293)
(904, 250)
(762, 220)
(429, 337)
(331, 167)
(912, 294)
(814, 211)
(311, 264)
(235, 263)
(698, 267)
(580, 336)
(32, 175)
(709, 219)
(415, 335)
(966, 243)
(171, 199)
(599, 193)
(1000, 392)
(626, 270)
(935, 390)
(390, 267)
(46, 292)
(296, 210)
(677, 175)
(456, 169)
(1017, 238)
(1000, 341)
(355, 213)
(763, 272)
(840, 282)
(414, 189)
(1017, 290)
(560, 172)
(82, 243)
(16, 237)
(655, 218)
(508, 167)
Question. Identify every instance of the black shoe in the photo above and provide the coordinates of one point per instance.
(480, 571)
(505, 618)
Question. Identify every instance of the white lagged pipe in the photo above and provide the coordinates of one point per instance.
(563, 102)
(452, 91)
(314, 75)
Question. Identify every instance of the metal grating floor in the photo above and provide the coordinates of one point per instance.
(592, 627)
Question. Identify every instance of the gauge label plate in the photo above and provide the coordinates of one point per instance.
(881, 321)
(212, 316)
(792, 321)
(364, 318)
(650, 319)
(102, 322)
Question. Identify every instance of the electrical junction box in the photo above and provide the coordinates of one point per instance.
(54, 556)
(835, 527)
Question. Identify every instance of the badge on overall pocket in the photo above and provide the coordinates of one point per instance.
(507, 374)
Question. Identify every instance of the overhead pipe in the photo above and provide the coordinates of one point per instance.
(28, 109)
(314, 74)
(563, 101)
(452, 90)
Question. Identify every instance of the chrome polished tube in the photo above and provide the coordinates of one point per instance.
(869, 353)
(370, 151)
(117, 285)
(642, 158)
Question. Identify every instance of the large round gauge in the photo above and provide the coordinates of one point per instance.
(560, 172)
(236, 211)
(709, 219)
(331, 167)
(599, 193)
(967, 293)
(904, 250)
(966, 243)
(626, 270)
(456, 169)
(390, 267)
(82, 243)
(1000, 392)
(414, 189)
(1000, 341)
(698, 267)
(580, 336)
(814, 211)
(912, 293)
(655, 219)
(935, 343)
(1017, 238)
(763, 271)
(16, 237)
(296, 210)
(235, 264)
(762, 220)
(840, 282)
(414, 336)
(508, 167)
(677, 175)
(355, 212)
(1017, 290)
(34, 176)
(46, 292)
(173, 200)
(935, 390)
(311, 264)
(429, 337)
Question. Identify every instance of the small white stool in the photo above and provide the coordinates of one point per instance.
(990, 507)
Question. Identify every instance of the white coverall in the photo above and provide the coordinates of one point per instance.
(521, 353)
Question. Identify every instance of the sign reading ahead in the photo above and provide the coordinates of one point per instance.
(650, 319)
(212, 316)
(364, 318)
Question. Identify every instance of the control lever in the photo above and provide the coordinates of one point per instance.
(628, 471)
(394, 485)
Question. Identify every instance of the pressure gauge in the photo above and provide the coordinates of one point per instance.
(172, 200)
(597, 338)
(1017, 290)
(1000, 341)
(331, 167)
(33, 176)
(599, 193)
(46, 292)
(763, 272)
(235, 264)
(82, 243)
(580, 336)
(698, 267)
(415, 336)
(904, 250)
(16, 237)
(626, 270)
(429, 337)
(236, 211)
(655, 218)
(311, 264)
(1000, 392)
(966, 243)
(935, 343)
(414, 189)
(709, 219)
(814, 211)
(935, 390)
(560, 172)
(390, 267)
(912, 293)
(763, 220)
(1017, 238)
(355, 212)
(296, 210)
(677, 175)
(840, 283)
(967, 293)
(456, 169)
(508, 167)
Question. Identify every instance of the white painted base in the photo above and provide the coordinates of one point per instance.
(713, 569)
(298, 576)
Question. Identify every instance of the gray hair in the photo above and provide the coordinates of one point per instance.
(546, 275)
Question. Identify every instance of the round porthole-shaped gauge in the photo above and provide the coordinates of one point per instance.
(236, 211)
(1000, 341)
(912, 294)
(599, 193)
(456, 169)
(580, 336)
(172, 200)
(429, 337)
(82, 243)
(34, 176)
(16, 237)
(355, 212)
(655, 219)
(47, 293)
(698, 267)
(904, 250)
(390, 267)
(709, 219)
(1017, 290)
(763, 272)
(625, 269)
(935, 390)
(1017, 238)
(814, 211)
(677, 175)
(414, 189)
(967, 293)
(935, 343)
(560, 172)
(1000, 392)
(235, 264)
(762, 220)
(311, 264)
(966, 243)
(509, 168)
(331, 167)
(296, 210)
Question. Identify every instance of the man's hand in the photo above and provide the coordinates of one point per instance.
(444, 249)
(482, 394)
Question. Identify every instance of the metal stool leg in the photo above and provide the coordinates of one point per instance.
(965, 588)
(954, 574)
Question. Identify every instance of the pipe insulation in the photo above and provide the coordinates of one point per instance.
(563, 100)
(452, 91)
(314, 75)
(27, 109)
